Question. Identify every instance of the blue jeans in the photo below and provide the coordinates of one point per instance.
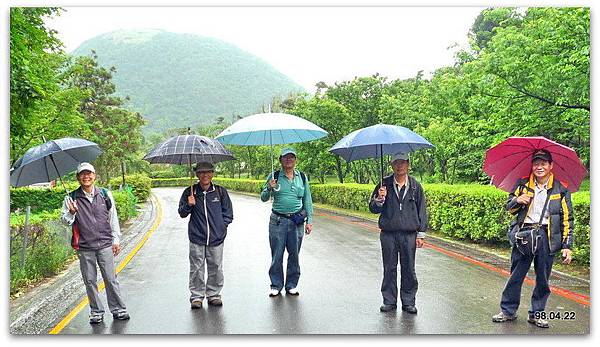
(284, 234)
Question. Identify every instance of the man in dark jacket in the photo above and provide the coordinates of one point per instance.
(554, 225)
(92, 213)
(403, 223)
(211, 212)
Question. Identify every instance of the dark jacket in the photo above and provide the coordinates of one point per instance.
(412, 217)
(214, 203)
(560, 210)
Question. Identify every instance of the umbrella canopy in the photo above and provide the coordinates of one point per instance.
(270, 129)
(187, 149)
(378, 140)
(511, 160)
(51, 160)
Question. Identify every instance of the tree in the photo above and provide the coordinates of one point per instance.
(332, 117)
(115, 129)
(39, 104)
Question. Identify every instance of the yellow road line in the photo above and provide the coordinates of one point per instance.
(65, 321)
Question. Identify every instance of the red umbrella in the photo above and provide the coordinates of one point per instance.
(511, 159)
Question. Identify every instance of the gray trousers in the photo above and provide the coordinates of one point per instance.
(106, 262)
(206, 259)
(398, 246)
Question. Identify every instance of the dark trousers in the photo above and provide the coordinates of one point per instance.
(398, 246)
(520, 264)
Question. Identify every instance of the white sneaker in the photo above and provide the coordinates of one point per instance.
(273, 292)
(293, 291)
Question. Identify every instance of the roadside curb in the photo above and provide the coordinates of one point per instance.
(462, 248)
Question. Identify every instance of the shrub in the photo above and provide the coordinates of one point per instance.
(47, 252)
(240, 185)
(140, 183)
(40, 199)
(126, 203)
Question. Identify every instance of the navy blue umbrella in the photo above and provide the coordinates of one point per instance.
(378, 140)
(188, 149)
(51, 160)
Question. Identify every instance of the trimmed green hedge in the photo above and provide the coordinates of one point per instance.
(40, 199)
(250, 186)
(468, 212)
(44, 199)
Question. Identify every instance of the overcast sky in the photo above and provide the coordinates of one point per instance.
(308, 44)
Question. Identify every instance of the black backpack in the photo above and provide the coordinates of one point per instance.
(103, 193)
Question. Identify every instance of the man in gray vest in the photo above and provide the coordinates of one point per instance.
(92, 213)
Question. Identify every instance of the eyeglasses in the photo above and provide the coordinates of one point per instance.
(85, 173)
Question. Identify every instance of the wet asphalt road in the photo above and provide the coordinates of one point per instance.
(339, 286)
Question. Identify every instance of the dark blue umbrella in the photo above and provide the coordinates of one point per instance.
(51, 160)
(378, 140)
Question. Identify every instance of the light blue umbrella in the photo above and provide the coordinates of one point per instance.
(378, 140)
(270, 129)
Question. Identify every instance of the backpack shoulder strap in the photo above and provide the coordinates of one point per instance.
(219, 190)
(104, 193)
(413, 186)
(276, 176)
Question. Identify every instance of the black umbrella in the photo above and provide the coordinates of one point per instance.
(51, 160)
(188, 149)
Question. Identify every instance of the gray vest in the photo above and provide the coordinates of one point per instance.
(92, 221)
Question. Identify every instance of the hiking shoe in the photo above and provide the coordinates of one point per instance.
(215, 302)
(292, 291)
(123, 315)
(274, 292)
(197, 303)
(503, 317)
(540, 323)
(96, 318)
(387, 308)
(409, 308)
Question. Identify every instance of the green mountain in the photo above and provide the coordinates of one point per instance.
(180, 80)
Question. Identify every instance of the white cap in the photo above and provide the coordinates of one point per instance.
(399, 156)
(85, 166)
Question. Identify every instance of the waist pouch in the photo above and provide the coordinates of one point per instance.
(297, 218)
(528, 239)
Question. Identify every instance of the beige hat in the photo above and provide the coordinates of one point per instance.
(85, 166)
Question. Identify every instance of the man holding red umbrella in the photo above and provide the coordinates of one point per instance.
(543, 204)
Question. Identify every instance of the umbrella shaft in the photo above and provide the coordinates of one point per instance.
(59, 178)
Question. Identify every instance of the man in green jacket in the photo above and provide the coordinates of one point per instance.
(554, 225)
